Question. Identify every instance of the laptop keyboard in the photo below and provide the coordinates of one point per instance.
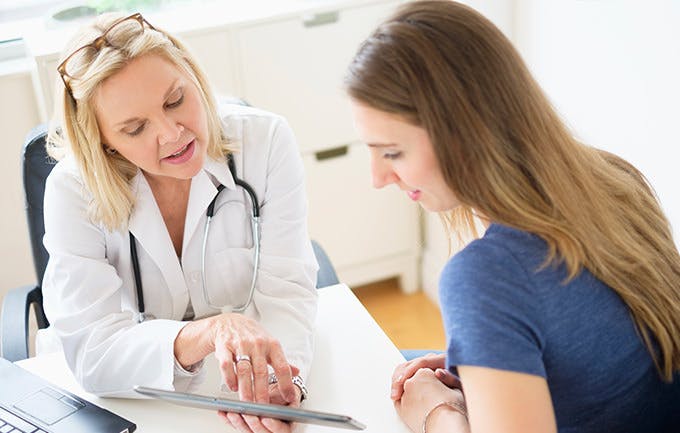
(10, 423)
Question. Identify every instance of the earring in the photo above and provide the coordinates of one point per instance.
(110, 150)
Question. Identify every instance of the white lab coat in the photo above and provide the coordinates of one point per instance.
(89, 291)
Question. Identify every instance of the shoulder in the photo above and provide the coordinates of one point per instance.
(250, 127)
(502, 252)
(496, 272)
(66, 198)
(65, 176)
(236, 118)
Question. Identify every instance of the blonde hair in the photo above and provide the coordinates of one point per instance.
(505, 153)
(74, 129)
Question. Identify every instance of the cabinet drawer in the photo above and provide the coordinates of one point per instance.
(354, 222)
(295, 66)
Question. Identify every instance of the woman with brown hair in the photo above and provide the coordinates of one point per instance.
(565, 315)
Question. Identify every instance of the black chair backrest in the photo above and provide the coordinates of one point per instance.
(36, 165)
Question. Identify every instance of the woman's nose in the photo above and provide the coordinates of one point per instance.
(382, 173)
(170, 131)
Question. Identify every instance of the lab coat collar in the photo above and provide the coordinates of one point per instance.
(203, 190)
(220, 171)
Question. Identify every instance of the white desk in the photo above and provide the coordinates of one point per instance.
(353, 363)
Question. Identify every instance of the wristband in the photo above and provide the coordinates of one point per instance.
(456, 406)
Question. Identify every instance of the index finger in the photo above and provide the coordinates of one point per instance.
(260, 376)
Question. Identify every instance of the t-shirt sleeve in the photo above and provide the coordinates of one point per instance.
(491, 311)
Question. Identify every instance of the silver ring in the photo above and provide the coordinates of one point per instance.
(272, 379)
(240, 358)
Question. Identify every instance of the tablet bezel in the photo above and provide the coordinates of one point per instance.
(267, 410)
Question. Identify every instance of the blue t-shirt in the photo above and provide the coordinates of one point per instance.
(502, 311)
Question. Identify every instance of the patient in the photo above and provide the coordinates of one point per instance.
(137, 288)
(565, 314)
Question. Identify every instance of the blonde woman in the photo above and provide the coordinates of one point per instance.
(565, 315)
(141, 284)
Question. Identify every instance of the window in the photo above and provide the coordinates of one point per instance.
(16, 17)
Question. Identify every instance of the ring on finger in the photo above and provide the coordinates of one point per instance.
(272, 379)
(240, 358)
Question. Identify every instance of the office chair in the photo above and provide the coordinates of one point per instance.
(16, 306)
(326, 275)
(36, 165)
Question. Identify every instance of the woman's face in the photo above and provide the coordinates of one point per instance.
(151, 113)
(402, 154)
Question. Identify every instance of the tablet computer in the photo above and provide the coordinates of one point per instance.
(284, 413)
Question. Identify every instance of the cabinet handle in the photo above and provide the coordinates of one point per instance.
(335, 152)
(320, 19)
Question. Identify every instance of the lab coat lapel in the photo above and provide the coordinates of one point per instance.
(146, 224)
(203, 190)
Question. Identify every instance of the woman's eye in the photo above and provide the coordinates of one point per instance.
(176, 103)
(392, 155)
(136, 131)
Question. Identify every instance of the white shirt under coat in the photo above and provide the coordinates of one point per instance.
(89, 290)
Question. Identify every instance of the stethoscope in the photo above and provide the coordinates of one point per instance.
(254, 227)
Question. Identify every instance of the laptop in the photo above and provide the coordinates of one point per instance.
(30, 404)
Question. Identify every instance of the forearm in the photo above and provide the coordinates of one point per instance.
(193, 342)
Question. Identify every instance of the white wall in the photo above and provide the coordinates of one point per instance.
(18, 114)
(612, 69)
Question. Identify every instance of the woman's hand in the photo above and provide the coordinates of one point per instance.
(244, 350)
(405, 371)
(422, 392)
(249, 424)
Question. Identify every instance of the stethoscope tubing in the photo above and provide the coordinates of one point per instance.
(255, 230)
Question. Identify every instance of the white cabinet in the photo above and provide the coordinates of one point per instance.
(214, 53)
(369, 234)
(294, 66)
(290, 58)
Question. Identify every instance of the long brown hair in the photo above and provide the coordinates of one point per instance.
(505, 153)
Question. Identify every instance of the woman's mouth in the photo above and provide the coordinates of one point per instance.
(182, 155)
(414, 195)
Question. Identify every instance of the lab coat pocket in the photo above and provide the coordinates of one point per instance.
(233, 272)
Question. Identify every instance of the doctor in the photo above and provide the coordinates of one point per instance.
(141, 284)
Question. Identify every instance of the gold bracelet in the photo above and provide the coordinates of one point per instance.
(456, 406)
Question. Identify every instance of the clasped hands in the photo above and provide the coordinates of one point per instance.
(421, 384)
